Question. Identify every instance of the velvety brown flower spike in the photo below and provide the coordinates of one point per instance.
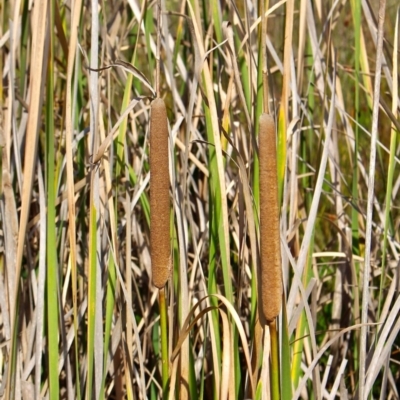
(271, 272)
(160, 244)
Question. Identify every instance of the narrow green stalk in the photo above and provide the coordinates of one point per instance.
(10, 393)
(91, 300)
(259, 391)
(144, 198)
(286, 381)
(216, 13)
(389, 226)
(301, 325)
(164, 341)
(274, 373)
(149, 31)
(212, 285)
(213, 251)
(281, 150)
(52, 264)
(356, 7)
(25, 26)
(122, 129)
(110, 302)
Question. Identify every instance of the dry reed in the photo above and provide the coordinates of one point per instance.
(159, 195)
(271, 274)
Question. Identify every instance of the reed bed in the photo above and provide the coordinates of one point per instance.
(152, 246)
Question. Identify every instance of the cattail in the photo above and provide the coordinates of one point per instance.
(160, 245)
(271, 273)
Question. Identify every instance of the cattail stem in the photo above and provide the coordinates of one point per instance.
(274, 371)
(158, 47)
(271, 273)
(164, 341)
(160, 243)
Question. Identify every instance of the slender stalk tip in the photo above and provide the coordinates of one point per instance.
(160, 247)
(271, 273)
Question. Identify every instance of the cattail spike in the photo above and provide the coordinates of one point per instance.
(160, 244)
(271, 272)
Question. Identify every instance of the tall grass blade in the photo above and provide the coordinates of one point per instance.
(76, 10)
(286, 381)
(52, 278)
(109, 308)
(371, 187)
(389, 227)
(40, 309)
(92, 277)
(283, 119)
(356, 8)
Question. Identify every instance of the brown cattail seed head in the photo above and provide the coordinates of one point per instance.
(160, 244)
(271, 272)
